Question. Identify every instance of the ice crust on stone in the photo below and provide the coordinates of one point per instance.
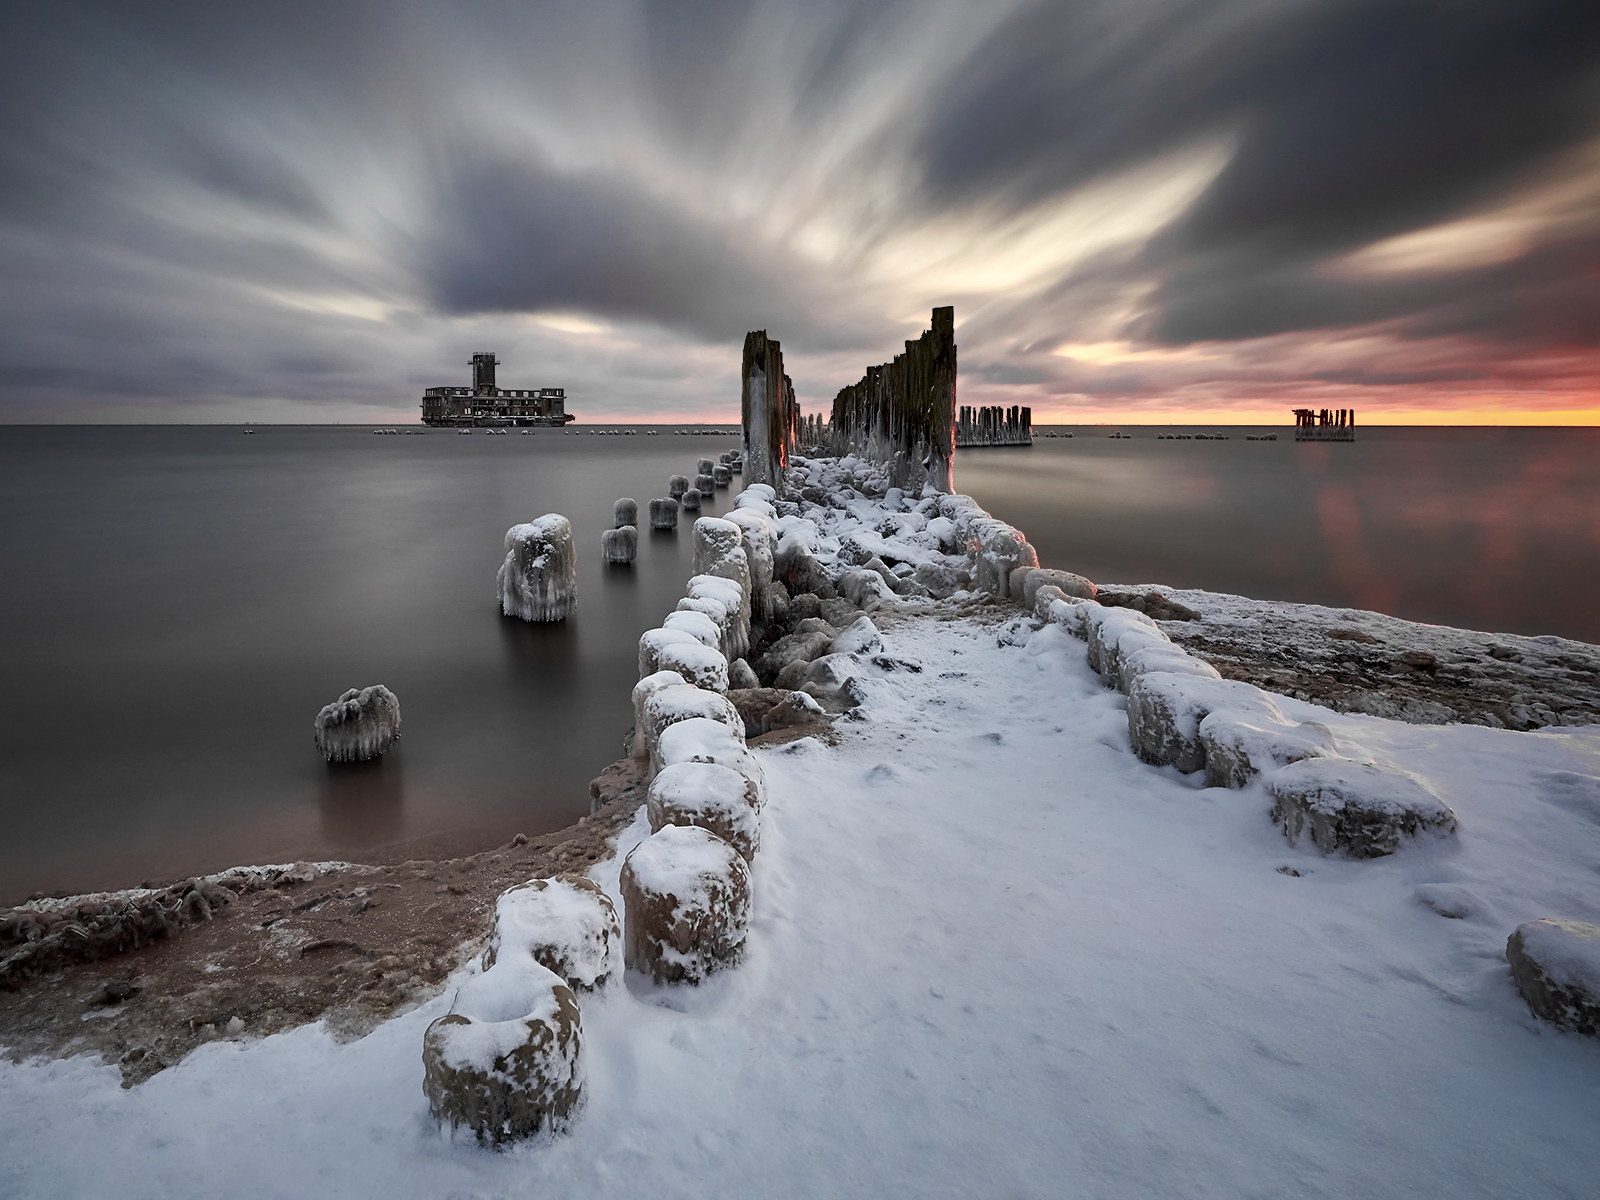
(712, 796)
(619, 545)
(741, 677)
(505, 1078)
(1237, 749)
(1165, 711)
(1556, 965)
(733, 594)
(860, 638)
(539, 579)
(566, 924)
(1359, 810)
(361, 724)
(686, 900)
(699, 664)
(664, 513)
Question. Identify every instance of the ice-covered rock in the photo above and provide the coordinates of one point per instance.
(539, 579)
(796, 709)
(653, 641)
(997, 549)
(1165, 711)
(642, 691)
(619, 545)
(863, 588)
(942, 579)
(1143, 657)
(686, 904)
(714, 539)
(860, 638)
(1050, 604)
(625, 512)
(669, 706)
(677, 485)
(741, 676)
(507, 1076)
(1025, 587)
(1557, 968)
(732, 591)
(711, 796)
(701, 665)
(802, 647)
(690, 500)
(1238, 749)
(1110, 631)
(566, 924)
(664, 513)
(703, 739)
(1357, 809)
(753, 704)
(360, 724)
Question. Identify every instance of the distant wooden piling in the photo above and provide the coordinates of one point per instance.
(1325, 425)
(994, 426)
(771, 416)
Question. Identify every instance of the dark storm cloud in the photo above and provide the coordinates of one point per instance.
(1354, 122)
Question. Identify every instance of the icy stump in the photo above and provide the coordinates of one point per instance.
(566, 925)
(686, 904)
(539, 579)
(359, 725)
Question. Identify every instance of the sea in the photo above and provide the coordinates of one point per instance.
(179, 601)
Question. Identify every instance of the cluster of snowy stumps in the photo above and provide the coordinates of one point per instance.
(789, 582)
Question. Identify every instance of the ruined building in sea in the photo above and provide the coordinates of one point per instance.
(484, 403)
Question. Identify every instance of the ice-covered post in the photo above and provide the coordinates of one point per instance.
(539, 579)
(768, 410)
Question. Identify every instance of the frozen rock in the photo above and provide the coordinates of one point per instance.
(1049, 604)
(825, 676)
(668, 706)
(702, 739)
(999, 550)
(711, 796)
(619, 545)
(1026, 587)
(625, 512)
(701, 665)
(653, 641)
(796, 709)
(753, 704)
(507, 1077)
(714, 539)
(642, 691)
(539, 579)
(1237, 749)
(664, 513)
(1144, 656)
(566, 924)
(686, 904)
(701, 626)
(740, 676)
(863, 588)
(860, 638)
(1357, 809)
(797, 647)
(1165, 711)
(360, 724)
(1557, 968)
(1448, 900)
(690, 500)
(941, 579)
(677, 485)
(1105, 628)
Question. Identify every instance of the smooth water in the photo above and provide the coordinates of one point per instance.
(179, 602)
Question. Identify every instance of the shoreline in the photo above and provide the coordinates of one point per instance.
(391, 932)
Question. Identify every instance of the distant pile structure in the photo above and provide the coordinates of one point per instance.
(994, 426)
(1325, 425)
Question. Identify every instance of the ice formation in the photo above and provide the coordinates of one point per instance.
(714, 538)
(664, 513)
(1557, 968)
(359, 725)
(690, 500)
(697, 624)
(705, 466)
(642, 691)
(667, 707)
(686, 904)
(714, 797)
(1238, 749)
(566, 924)
(677, 485)
(706, 484)
(733, 595)
(1360, 810)
(702, 739)
(721, 476)
(625, 512)
(539, 579)
(653, 641)
(510, 1062)
(619, 545)
(701, 665)
(1165, 711)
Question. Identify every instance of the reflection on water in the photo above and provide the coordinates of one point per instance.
(1495, 529)
(363, 804)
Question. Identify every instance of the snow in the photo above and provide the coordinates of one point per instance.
(990, 951)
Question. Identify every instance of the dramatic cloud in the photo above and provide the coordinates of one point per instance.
(310, 211)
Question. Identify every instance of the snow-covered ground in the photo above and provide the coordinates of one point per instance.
(991, 954)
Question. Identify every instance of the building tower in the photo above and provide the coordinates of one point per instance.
(483, 366)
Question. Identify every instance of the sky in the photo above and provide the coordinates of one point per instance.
(1142, 212)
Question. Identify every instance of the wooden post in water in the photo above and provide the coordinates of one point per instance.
(771, 416)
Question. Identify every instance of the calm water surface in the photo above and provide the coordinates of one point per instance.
(180, 601)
